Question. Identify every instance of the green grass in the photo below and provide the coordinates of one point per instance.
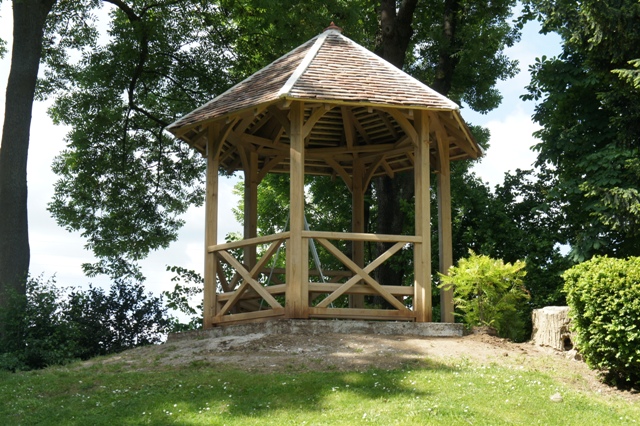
(424, 394)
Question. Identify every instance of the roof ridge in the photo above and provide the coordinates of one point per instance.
(388, 64)
(304, 64)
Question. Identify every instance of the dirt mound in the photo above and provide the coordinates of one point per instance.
(268, 353)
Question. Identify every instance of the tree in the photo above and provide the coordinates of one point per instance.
(590, 112)
(29, 17)
(123, 182)
(456, 47)
(119, 167)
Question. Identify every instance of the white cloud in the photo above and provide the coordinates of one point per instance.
(510, 147)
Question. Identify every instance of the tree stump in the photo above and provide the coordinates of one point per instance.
(551, 328)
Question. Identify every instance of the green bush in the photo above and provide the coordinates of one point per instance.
(47, 326)
(604, 296)
(34, 333)
(489, 292)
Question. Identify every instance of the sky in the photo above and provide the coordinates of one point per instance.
(57, 252)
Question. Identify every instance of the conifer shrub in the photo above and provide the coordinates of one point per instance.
(489, 292)
(604, 296)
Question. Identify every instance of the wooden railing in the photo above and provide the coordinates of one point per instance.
(391, 294)
(238, 300)
(249, 285)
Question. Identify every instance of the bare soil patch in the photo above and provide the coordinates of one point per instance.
(269, 353)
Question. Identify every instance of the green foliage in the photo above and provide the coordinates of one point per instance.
(489, 292)
(589, 109)
(515, 221)
(123, 183)
(481, 32)
(121, 319)
(604, 296)
(47, 326)
(631, 76)
(33, 331)
(188, 286)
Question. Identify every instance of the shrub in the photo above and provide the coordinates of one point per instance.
(489, 292)
(124, 318)
(47, 326)
(34, 334)
(604, 296)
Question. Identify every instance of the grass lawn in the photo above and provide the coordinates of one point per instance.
(199, 394)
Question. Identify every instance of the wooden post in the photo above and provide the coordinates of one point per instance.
(356, 301)
(444, 227)
(211, 226)
(422, 251)
(297, 294)
(251, 207)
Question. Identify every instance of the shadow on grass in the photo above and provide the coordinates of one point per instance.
(201, 394)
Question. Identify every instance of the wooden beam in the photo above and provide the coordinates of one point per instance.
(383, 238)
(422, 251)
(246, 276)
(282, 118)
(396, 290)
(269, 165)
(441, 137)
(254, 273)
(250, 316)
(243, 243)
(360, 149)
(340, 171)
(294, 305)
(387, 168)
(248, 140)
(357, 224)
(405, 124)
(358, 126)
(348, 126)
(362, 314)
(224, 284)
(364, 275)
(462, 138)
(444, 227)
(372, 169)
(312, 120)
(388, 124)
(211, 225)
(251, 206)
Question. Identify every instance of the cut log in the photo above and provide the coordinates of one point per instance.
(551, 328)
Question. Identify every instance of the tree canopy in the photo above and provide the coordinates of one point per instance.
(589, 109)
(123, 183)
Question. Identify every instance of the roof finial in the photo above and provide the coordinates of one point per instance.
(333, 27)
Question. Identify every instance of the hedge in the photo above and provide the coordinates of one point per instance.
(604, 296)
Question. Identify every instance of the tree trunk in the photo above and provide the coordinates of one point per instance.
(396, 33)
(447, 59)
(551, 328)
(28, 26)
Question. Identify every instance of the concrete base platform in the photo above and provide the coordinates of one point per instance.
(315, 327)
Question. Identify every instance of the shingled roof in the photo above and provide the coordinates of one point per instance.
(368, 101)
(329, 67)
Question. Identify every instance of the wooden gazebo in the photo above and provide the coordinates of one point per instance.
(328, 107)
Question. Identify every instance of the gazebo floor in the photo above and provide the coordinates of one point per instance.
(316, 327)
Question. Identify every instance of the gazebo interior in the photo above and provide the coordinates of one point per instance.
(332, 108)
